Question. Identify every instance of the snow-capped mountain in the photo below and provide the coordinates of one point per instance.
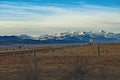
(26, 37)
(98, 37)
(65, 37)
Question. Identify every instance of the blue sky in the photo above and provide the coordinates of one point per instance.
(35, 17)
(71, 2)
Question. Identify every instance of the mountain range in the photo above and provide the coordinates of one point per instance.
(65, 37)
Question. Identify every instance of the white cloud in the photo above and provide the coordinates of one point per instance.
(45, 17)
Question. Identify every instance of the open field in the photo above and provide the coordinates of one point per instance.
(62, 63)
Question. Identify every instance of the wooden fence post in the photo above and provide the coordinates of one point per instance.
(99, 56)
(36, 66)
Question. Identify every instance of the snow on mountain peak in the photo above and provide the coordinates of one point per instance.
(69, 37)
(84, 36)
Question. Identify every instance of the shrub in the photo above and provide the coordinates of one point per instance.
(31, 68)
(78, 70)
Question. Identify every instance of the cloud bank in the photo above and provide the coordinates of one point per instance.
(35, 19)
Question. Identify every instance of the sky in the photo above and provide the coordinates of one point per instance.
(37, 17)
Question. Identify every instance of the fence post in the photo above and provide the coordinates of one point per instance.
(6, 52)
(99, 56)
(13, 51)
(6, 49)
(101, 66)
(24, 52)
(36, 66)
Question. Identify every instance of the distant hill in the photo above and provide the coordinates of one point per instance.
(66, 37)
(83, 37)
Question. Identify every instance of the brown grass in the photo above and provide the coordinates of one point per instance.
(58, 62)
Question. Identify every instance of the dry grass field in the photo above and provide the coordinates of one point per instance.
(62, 63)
